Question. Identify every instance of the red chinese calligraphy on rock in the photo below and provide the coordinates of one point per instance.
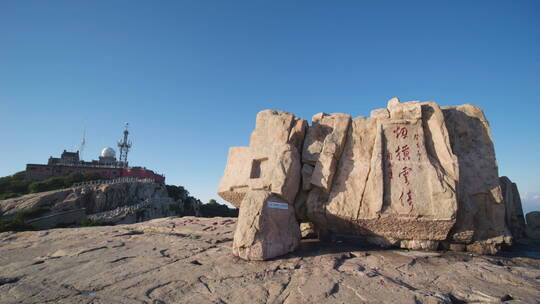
(417, 140)
(402, 153)
(405, 174)
(408, 200)
(388, 155)
(401, 132)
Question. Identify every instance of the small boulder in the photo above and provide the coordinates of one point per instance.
(308, 230)
(266, 227)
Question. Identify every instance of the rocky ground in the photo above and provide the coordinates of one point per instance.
(189, 260)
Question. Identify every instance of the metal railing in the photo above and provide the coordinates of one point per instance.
(125, 179)
(120, 210)
(117, 165)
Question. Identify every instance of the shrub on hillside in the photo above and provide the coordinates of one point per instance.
(92, 223)
(60, 182)
(213, 208)
(15, 224)
(18, 222)
(186, 203)
(13, 185)
(177, 192)
(16, 185)
(32, 213)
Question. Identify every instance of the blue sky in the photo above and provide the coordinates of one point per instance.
(190, 76)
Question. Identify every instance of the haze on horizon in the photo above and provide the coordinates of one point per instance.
(190, 76)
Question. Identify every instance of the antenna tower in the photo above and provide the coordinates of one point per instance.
(82, 144)
(124, 145)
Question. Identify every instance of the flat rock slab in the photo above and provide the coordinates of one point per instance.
(189, 260)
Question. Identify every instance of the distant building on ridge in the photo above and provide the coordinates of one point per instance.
(107, 165)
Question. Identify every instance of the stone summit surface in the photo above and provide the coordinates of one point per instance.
(189, 260)
(413, 175)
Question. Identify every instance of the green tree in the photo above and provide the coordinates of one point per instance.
(177, 192)
(213, 208)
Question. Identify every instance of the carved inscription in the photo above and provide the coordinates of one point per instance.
(404, 178)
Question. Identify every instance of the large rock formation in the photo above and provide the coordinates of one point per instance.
(413, 175)
(263, 180)
(394, 174)
(123, 202)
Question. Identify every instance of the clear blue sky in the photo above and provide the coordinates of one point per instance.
(190, 76)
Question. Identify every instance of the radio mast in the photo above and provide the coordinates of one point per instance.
(82, 144)
(124, 145)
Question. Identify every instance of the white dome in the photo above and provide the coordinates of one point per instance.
(108, 152)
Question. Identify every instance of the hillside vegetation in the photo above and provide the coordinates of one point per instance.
(179, 193)
(211, 209)
(16, 185)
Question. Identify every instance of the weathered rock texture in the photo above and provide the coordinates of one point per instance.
(270, 163)
(267, 171)
(265, 232)
(412, 175)
(390, 178)
(515, 221)
(126, 202)
(533, 225)
(188, 260)
(481, 213)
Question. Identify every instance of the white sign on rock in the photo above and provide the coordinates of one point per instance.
(276, 205)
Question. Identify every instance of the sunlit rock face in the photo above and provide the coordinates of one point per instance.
(263, 180)
(413, 175)
(393, 175)
(266, 227)
(270, 163)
